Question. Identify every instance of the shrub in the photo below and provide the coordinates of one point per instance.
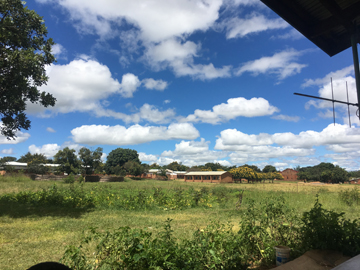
(324, 229)
(70, 179)
(350, 197)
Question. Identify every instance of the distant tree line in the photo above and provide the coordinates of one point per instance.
(324, 172)
(123, 162)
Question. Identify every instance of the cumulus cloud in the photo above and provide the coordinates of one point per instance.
(340, 140)
(84, 85)
(152, 84)
(192, 153)
(282, 64)
(49, 150)
(9, 151)
(59, 51)
(286, 118)
(331, 135)
(179, 56)
(157, 20)
(136, 134)
(147, 158)
(253, 23)
(146, 112)
(340, 79)
(51, 130)
(77, 86)
(20, 137)
(129, 85)
(235, 107)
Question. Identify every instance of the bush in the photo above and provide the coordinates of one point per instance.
(137, 249)
(350, 197)
(324, 229)
(70, 179)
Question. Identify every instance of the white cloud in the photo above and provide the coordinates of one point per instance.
(146, 112)
(286, 118)
(147, 158)
(136, 134)
(84, 85)
(180, 57)
(77, 86)
(185, 148)
(152, 84)
(49, 150)
(9, 151)
(253, 23)
(283, 64)
(192, 153)
(340, 79)
(59, 51)
(129, 85)
(157, 20)
(20, 137)
(51, 130)
(293, 34)
(235, 107)
(331, 135)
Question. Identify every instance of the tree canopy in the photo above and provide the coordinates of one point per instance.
(7, 159)
(269, 168)
(68, 160)
(118, 157)
(33, 158)
(90, 160)
(24, 53)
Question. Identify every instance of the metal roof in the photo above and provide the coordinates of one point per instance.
(329, 24)
(207, 173)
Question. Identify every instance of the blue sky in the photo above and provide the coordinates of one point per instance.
(192, 81)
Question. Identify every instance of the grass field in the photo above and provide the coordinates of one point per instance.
(30, 234)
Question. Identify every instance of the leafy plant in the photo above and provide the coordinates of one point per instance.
(326, 229)
(350, 197)
(70, 179)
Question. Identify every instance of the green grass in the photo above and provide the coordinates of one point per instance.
(31, 234)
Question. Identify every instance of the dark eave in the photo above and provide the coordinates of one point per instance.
(329, 24)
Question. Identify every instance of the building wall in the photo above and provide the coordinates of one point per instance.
(289, 174)
(225, 178)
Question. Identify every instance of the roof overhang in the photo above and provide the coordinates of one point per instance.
(329, 24)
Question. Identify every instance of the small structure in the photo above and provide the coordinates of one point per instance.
(289, 174)
(355, 181)
(209, 177)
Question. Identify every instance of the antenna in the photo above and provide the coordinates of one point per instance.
(334, 100)
(332, 91)
(347, 94)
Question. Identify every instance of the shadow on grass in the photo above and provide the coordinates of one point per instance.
(17, 210)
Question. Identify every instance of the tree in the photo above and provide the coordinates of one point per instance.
(134, 168)
(119, 157)
(154, 166)
(68, 160)
(175, 166)
(244, 172)
(7, 159)
(90, 160)
(269, 168)
(214, 166)
(33, 158)
(24, 53)
(253, 167)
(335, 175)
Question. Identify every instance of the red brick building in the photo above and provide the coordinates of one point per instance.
(289, 174)
(209, 177)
